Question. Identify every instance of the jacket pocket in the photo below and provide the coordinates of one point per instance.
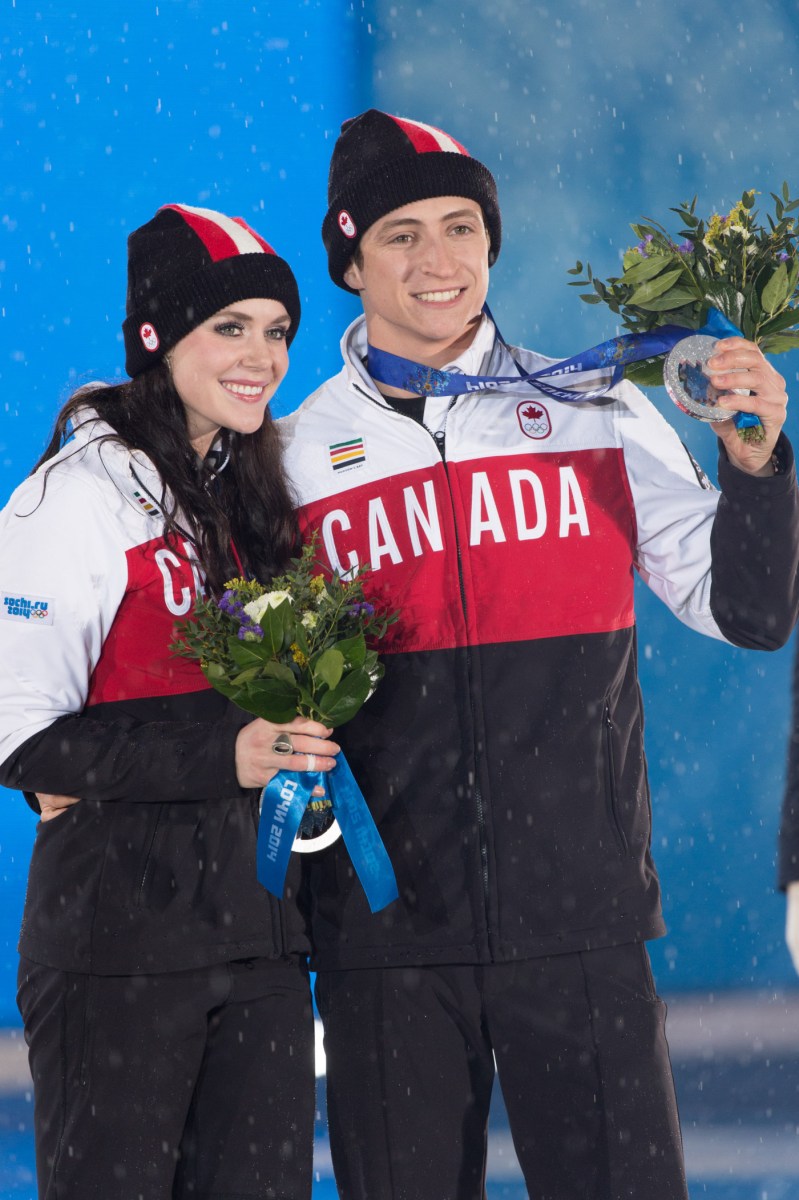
(149, 857)
(611, 790)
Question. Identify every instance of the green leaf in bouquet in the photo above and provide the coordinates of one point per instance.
(373, 666)
(690, 316)
(300, 638)
(646, 268)
(578, 270)
(245, 654)
(647, 373)
(353, 650)
(329, 667)
(676, 298)
(778, 343)
(279, 670)
(702, 272)
(246, 676)
(642, 232)
(776, 324)
(277, 623)
(214, 672)
(272, 699)
(752, 314)
(776, 291)
(343, 702)
(591, 299)
(600, 289)
(218, 678)
(653, 288)
(793, 275)
(185, 646)
(307, 705)
(727, 299)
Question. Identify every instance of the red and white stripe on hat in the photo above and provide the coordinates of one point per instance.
(424, 138)
(223, 237)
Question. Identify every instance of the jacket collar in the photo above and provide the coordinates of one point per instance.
(485, 355)
(132, 471)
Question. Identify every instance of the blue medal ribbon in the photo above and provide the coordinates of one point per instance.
(283, 803)
(364, 844)
(613, 355)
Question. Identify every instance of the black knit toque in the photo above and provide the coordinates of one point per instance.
(382, 162)
(188, 263)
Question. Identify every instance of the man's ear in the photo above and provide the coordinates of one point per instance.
(352, 276)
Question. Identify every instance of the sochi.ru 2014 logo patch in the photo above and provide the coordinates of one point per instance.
(34, 610)
(533, 419)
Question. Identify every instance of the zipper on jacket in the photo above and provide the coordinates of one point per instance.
(610, 762)
(149, 856)
(440, 439)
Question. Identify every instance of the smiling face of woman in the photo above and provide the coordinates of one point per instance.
(227, 369)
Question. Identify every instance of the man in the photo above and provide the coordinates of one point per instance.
(502, 754)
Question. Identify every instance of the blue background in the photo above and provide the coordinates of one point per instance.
(590, 114)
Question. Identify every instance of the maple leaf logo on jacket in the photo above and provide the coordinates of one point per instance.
(533, 420)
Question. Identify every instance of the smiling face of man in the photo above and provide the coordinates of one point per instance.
(422, 274)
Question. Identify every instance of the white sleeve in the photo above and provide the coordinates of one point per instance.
(63, 572)
(674, 513)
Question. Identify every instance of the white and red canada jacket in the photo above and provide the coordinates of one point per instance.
(502, 754)
(154, 868)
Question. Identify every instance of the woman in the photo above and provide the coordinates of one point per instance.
(163, 990)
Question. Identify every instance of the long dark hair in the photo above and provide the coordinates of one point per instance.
(246, 505)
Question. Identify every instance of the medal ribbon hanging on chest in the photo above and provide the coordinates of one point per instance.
(613, 355)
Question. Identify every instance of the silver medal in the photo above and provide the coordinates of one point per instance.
(686, 382)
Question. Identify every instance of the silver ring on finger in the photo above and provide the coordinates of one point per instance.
(283, 744)
(311, 762)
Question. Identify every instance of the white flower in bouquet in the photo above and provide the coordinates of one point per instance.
(256, 608)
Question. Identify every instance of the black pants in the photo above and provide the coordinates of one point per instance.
(581, 1054)
(191, 1084)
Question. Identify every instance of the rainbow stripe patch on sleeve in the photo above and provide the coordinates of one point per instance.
(345, 455)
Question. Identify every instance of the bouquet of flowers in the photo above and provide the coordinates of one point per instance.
(296, 647)
(747, 272)
(299, 646)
